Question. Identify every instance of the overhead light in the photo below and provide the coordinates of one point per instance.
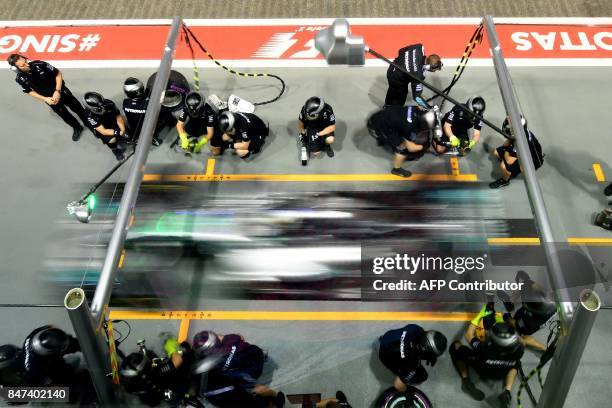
(339, 46)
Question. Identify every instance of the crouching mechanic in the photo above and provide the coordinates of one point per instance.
(245, 132)
(197, 125)
(44, 363)
(508, 158)
(105, 122)
(135, 108)
(234, 367)
(456, 125)
(406, 129)
(402, 350)
(317, 118)
(497, 357)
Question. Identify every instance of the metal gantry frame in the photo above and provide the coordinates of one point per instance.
(575, 327)
(88, 324)
(339, 47)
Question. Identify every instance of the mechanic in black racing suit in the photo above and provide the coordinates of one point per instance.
(498, 357)
(235, 369)
(456, 125)
(244, 132)
(318, 123)
(406, 129)
(412, 58)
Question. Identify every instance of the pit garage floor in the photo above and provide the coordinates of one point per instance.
(43, 170)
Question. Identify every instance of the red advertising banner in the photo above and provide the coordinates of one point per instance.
(295, 42)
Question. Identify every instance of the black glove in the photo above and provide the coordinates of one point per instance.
(475, 343)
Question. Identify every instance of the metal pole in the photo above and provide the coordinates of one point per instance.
(566, 360)
(106, 177)
(533, 187)
(130, 193)
(95, 351)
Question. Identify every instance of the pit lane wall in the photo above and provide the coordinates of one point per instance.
(290, 43)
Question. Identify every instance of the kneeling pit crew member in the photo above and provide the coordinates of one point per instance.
(236, 366)
(508, 158)
(406, 129)
(197, 125)
(135, 108)
(497, 357)
(105, 122)
(245, 132)
(456, 125)
(318, 122)
(402, 350)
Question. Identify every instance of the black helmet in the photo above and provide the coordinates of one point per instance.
(504, 336)
(133, 88)
(433, 344)
(476, 104)
(506, 125)
(50, 341)
(204, 342)
(8, 355)
(427, 119)
(313, 107)
(135, 371)
(94, 102)
(227, 120)
(542, 309)
(194, 103)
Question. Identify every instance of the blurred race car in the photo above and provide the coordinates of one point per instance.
(306, 245)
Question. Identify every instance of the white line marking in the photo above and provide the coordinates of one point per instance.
(587, 21)
(292, 63)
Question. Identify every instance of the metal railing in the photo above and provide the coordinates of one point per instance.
(88, 324)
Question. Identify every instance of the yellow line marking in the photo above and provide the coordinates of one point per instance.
(121, 259)
(210, 167)
(592, 241)
(297, 315)
(454, 162)
(599, 174)
(514, 241)
(308, 177)
(183, 330)
(536, 241)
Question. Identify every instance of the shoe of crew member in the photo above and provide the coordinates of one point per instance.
(118, 154)
(398, 171)
(76, 133)
(499, 183)
(469, 388)
(505, 399)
